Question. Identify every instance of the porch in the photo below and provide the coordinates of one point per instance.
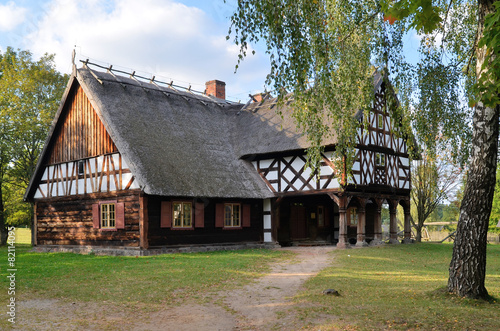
(341, 220)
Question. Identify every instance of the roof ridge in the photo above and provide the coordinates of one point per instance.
(153, 84)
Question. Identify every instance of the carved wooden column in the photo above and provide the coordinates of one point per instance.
(361, 234)
(342, 203)
(393, 227)
(343, 243)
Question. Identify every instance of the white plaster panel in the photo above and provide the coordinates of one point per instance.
(267, 222)
(334, 183)
(38, 195)
(325, 171)
(112, 186)
(100, 161)
(61, 188)
(44, 176)
(407, 185)
(73, 188)
(89, 186)
(267, 204)
(254, 163)
(307, 173)
(265, 163)
(272, 175)
(104, 185)
(401, 173)
(92, 166)
(116, 160)
(81, 186)
(43, 188)
(289, 175)
(357, 179)
(267, 237)
(356, 166)
(298, 164)
(404, 161)
(125, 179)
(275, 186)
(63, 169)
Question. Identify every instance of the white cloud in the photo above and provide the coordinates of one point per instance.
(160, 37)
(11, 16)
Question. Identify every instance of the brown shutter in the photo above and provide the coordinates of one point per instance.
(120, 215)
(219, 215)
(326, 215)
(95, 215)
(166, 214)
(199, 215)
(245, 222)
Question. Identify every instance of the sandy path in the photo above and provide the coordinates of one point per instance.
(262, 305)
(257, 305)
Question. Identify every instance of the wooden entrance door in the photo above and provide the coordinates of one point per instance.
(298, 224)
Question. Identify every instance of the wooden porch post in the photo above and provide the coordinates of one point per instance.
(377, 235)
(275, 219)
(343, 243)
(361, 236)
(393, 227)
(407, 238)
(143, 221)
(342, 203)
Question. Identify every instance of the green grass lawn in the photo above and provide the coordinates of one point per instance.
(162, 279)
(397, 287)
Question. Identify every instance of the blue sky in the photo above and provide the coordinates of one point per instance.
(179, 40)
(184, 41)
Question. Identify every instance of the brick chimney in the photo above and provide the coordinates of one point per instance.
(216, 88)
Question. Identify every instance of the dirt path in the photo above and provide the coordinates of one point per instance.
(263, 305)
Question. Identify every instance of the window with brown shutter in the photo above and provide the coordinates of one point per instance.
(108, 215)
(166, 214)
(199, 215)
(219, 215)
(246, 221)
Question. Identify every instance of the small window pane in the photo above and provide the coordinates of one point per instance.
(187, 215)
(236, 215)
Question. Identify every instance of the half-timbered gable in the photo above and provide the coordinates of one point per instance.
(382, 157)
(133, 162)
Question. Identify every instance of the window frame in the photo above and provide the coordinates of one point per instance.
(380, 121)
(240, 211)
(182, 227)
(380, 160)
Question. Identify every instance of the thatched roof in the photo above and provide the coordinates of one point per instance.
(175, 142)
(178, 143)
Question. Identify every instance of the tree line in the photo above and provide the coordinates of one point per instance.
(30, 92)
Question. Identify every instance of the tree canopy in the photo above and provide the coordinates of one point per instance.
(30, 91)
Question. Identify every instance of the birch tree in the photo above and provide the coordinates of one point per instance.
(325, 51)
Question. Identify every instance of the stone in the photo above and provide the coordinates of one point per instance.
(331, 291)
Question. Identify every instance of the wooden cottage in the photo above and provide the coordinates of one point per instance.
(142, 166)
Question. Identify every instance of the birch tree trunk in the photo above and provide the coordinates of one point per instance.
(468, 263)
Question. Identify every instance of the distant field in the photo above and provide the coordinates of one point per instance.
(23, 236)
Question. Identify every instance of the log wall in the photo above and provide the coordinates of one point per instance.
(209, 233)
(68, 221)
